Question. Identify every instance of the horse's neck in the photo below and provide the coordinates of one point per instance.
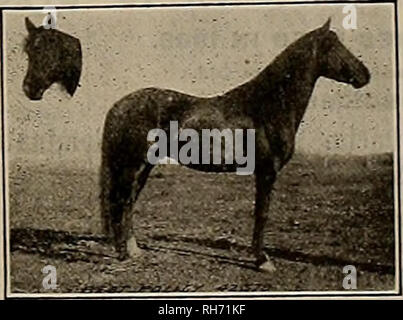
(293, 96)
(281, 91)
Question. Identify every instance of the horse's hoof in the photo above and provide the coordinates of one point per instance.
(267, 266)
(132, 249)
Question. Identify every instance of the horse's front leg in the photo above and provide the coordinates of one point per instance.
(264, 184)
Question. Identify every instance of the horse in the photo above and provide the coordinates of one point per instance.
(272, 103)
(53, 57)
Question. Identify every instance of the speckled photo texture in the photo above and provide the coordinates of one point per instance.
(332, 205)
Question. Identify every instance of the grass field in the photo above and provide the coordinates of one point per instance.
(195, 229)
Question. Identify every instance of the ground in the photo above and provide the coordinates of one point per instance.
(195, 229)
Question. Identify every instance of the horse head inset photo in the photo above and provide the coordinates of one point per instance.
(53, 57)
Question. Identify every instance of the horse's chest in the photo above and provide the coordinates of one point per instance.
(275, 141)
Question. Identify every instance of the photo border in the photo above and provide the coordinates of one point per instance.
(202, 295)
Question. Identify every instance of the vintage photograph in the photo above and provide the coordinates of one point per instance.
(185, 150)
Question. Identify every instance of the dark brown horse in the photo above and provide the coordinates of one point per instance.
(53, 56)
(273, 103)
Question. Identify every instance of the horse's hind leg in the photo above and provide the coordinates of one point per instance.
(140, 180)
(121, 183)
(130, 182)
(106, 188)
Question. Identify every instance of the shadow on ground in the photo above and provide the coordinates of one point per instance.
(43, 242)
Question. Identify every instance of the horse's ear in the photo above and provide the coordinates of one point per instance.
(326, 26)
(30, 26)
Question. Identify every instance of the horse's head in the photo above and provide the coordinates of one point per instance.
(53, 56)
(337, 62)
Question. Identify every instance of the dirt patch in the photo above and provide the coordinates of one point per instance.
(195, 229)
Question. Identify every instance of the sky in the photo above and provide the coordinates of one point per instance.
(203, 51)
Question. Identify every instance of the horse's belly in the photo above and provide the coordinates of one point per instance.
(214, 157)
(212, 150)
(217, 168)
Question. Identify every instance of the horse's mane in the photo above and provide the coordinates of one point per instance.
(289, 58)
(51, 32)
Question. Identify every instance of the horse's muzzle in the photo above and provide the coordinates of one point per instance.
(32, 94)
(362, 79)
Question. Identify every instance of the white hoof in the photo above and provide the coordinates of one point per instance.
(267, 266)
(132, 249)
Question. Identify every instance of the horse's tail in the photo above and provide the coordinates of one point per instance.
(105, 196)
(105, 178)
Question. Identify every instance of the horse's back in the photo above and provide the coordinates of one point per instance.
(132, 117)
(153, 104)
